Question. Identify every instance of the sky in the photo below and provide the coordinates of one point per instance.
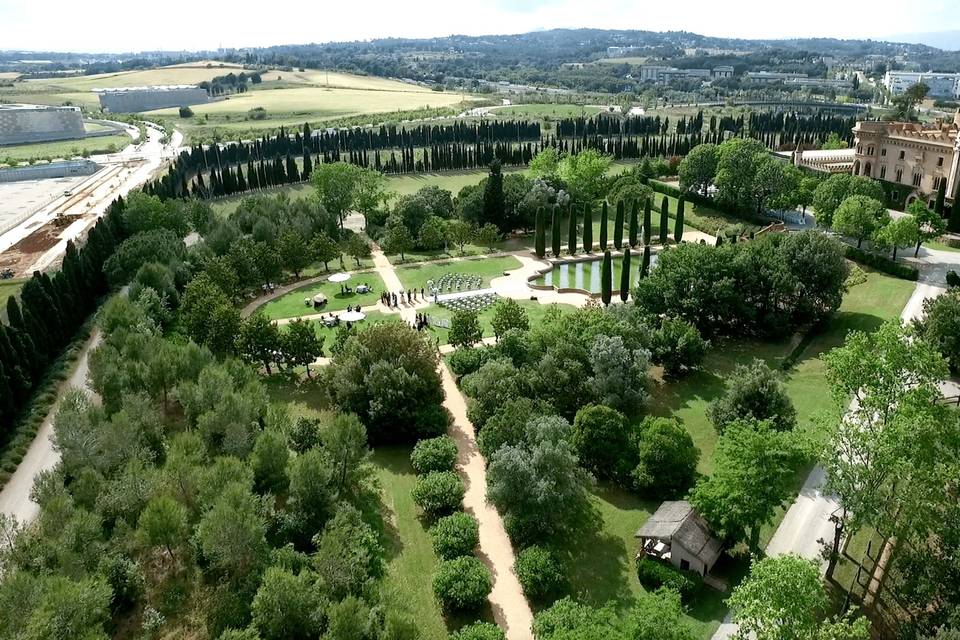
(119, 25)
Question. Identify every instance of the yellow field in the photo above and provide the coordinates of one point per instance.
(182, 74)
(9, 75)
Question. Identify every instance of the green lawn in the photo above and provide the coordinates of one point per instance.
(415, 276)
(64, 148)
(9, 288)
(600, 563)
(535, 313)
(864, 307)
(546, 110)
(326, 334)
(291, 305)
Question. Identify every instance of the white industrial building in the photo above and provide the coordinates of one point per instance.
(942, 85)
(26, 123)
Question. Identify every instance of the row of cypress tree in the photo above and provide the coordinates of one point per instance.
(49, 312)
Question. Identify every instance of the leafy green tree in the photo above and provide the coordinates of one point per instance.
(494, 202)
(619, 377)
(584, 174)
(397, 238)
(860, 217)
(507, 315)
(755, 393)
(587, 229)
(434, 454)
(540, 573)
(357, 248)
(487, 236)
(677, 346)
(545, 164)
(508, 424)
(312, 489)
(163, 523)
(324, 249)
(258, 341)
(345, 443)
(781, 599)
(666, 458)
(462, 584)
(294, 252)
(830, 193)
(232, 534)
(645, 262)
(930, 225)
(738, 161)
(465, 330)
(906, 102)
(481, 630)
(299, 344)
(336, 185)
(455, 535)
(370, 192)
(433, 233)
(698, 168)
(349, 557)
(459, 233)
(901, 232)
(603, 441)
(209, 316)
(269, 461)
(56, 607)
(939, 326)
(754, 466)
(287, 606)
(438, 493)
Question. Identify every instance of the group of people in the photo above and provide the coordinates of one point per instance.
(392, 300)
(421, 322)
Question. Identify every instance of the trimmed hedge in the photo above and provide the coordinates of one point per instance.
(882, 263)
(434, 454)
(462, 584)
(455, 535)
(654, 574)
(540, 573)
(438, 493)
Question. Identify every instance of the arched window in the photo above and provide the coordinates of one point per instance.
(868, 170)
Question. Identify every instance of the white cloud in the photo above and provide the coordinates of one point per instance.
(180, 24)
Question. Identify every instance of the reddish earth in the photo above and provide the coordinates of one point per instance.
(20, 256)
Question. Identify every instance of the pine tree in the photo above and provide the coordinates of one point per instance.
(571, 232)
(555, 232)
(634, 223)
(625, 276)
(678, 224)
(618, 227)
(604, 216)
(606, 278)
(540, 235)
(587, 229)
(646, 222)
(664, 220)
(645, 262)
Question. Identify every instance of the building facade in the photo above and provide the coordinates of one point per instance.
(135, 99)
(920, 156)
(25, 123)
(942, 85)
(662, 75)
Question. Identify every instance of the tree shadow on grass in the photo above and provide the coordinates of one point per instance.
(835, 332)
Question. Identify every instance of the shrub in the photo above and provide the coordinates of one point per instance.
(466, 361)
(186, 112)
(462, 584)
(882, 263)
(479, 631)
(667, 458)
(654, 574)
(438, 493)
(540, 573)
(455, 535)
(953, 280)
(434, 454)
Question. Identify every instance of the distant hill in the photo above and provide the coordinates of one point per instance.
(946, 40)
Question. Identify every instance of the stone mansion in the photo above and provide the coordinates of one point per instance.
(911, 154)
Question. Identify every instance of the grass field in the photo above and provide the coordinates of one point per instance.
(864, 307)
(64, 148)
(291, 305)
(415, 276)
(9, 288)
(553, 111)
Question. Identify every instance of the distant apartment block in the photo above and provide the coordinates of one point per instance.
(723, 71)
(770, 77)
(659, 74)
(918, 155)
(818, 83)
(135, 99)
(942, 85)
(24, 123)
(621, 52)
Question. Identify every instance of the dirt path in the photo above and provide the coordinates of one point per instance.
(15, 496)
(510, 608)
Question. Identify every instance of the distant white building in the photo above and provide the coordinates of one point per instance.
(723, 71)
(769, 77)
(659, 74)
(941, 85)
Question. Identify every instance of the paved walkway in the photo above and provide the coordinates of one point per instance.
(15, 496)
(510, 608)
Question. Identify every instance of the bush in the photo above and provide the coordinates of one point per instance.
(466, 361)
(953, 280)
(434, 454)
(882, 263)
(455, 535)
(666, 458)
(479, 631)
(654, 574)
(438, 493)
(540, 573)
(462, 584)
(186, 112)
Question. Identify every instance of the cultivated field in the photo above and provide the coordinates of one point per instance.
(63, 148)
(546, 110)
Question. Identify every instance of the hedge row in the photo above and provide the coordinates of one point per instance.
(882, 263)
(41, 403)
(654, 574)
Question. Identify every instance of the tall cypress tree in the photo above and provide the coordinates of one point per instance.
(555, 232)
(634, 223)
(539, 235)
(646, 221)
(604, 217)
(941, 198)
(664, 220)
(645, 262)
(606, 278)
(618, 226)
(587, 229)
(494, 204)
(625, 276)
(678, 225)
(571, 232)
